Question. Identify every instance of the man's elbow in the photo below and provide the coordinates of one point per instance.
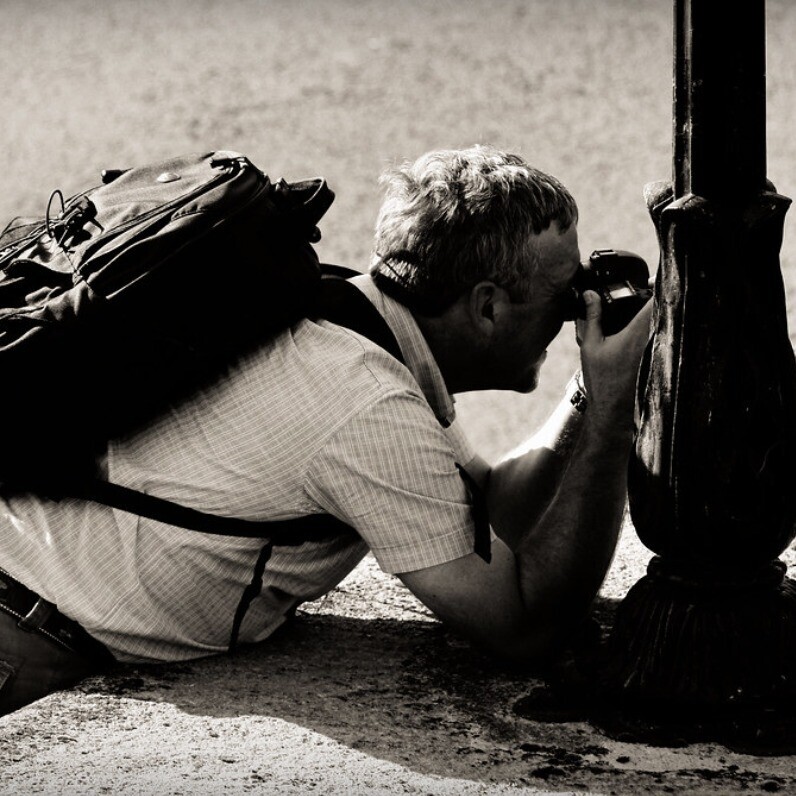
(530, 647)
(541, 639)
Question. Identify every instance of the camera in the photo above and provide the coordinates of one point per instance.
(621, 280)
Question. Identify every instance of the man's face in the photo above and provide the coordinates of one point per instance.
(521, 346)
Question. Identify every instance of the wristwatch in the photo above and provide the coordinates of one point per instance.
(577, 392)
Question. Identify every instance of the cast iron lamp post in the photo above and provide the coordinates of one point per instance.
(712, 480)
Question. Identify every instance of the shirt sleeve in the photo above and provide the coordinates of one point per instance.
(390, 471)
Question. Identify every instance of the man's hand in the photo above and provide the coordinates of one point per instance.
(610, 364)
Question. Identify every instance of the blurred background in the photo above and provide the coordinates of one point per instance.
(347, 88)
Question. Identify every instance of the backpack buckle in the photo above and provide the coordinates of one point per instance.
(70, 221)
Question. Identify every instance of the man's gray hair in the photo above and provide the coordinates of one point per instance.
(456, 217)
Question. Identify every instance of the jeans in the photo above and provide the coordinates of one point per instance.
(32, 666)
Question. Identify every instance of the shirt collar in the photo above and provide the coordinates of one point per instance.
(417, 355)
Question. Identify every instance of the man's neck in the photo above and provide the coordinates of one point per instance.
(457, 361)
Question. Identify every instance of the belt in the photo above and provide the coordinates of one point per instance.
(37, 615)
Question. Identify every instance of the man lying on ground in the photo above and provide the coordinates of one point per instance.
(475, 254)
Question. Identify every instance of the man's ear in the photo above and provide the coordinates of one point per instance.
(485, 305)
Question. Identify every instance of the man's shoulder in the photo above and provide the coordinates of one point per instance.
(306, 380)
(344, 359)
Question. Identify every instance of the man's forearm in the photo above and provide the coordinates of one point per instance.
(524, 482)
(564, 548)
(563, 559)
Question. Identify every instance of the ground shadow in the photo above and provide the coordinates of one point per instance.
(411, 693)
(404, 691)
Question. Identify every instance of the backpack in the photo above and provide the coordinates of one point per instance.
(126, 297)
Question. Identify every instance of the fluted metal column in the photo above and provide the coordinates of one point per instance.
(712, 480)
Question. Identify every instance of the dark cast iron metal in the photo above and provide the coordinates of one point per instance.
(712, 478)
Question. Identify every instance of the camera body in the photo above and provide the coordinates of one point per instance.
(620, 279)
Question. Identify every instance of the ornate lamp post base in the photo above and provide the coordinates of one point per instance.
(685, 663)
(692, 661)
(713, 477)
(726, 647)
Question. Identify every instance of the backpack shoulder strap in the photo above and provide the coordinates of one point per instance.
(285, 532)
(346, 305)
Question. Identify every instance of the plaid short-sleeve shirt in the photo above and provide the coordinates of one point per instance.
(318, 420)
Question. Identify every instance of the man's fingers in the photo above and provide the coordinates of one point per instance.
(639, 327)
(589, 330)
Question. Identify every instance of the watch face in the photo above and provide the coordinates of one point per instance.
(579, 400)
